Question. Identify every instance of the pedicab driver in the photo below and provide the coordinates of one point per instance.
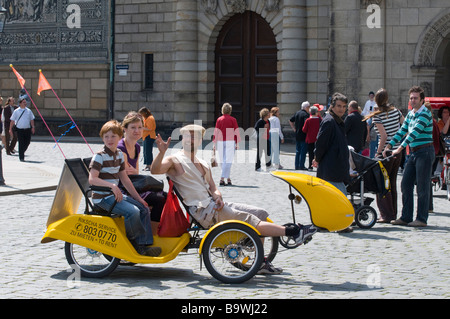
(193, 179)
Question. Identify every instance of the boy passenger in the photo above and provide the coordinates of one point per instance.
(107, 167)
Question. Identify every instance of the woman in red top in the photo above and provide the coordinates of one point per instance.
(226, 139)
(311, 128)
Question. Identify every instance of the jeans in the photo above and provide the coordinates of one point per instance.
(417, 171)
(148, 150)
(341, 186)
(301, 148)
(137, 218)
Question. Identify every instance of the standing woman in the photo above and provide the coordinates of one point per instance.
(10, 141)
(148, 136)
(226, 139)
(388, 120)
(23, 119)
(276, 136)
(262, 128)
(132, 126)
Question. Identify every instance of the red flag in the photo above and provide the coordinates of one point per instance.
(43, 83)
(19, 77)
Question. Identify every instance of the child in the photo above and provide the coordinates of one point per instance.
(106, 169)
(148, 136)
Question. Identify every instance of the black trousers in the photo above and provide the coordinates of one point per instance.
(24, 138)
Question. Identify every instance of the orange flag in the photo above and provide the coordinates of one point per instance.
(19, 77)
(43, 83)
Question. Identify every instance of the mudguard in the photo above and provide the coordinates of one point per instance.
(329, 207)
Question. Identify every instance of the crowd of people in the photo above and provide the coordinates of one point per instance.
(326, 136)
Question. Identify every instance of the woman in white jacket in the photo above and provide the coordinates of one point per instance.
(276, 136)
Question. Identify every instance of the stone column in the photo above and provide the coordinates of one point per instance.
(185, 74)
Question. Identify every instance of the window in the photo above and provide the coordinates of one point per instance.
(148, 69)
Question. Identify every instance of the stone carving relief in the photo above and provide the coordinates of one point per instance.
(40, 27)
(271, 5)
(237, 6)
(210, 6)
(366, 3)
(432, 40)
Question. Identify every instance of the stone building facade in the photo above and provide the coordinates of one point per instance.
(184, 58)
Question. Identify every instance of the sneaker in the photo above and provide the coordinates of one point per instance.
(306, 232)
(149, 251)
(268, 269)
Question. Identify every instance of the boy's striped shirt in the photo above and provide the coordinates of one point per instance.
(109, 164)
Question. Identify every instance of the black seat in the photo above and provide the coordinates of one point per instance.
(81, 175)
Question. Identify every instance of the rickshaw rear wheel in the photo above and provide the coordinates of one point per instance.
(233, 253)
(89, 262)
(365, 216)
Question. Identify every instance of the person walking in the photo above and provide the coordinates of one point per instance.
(225, 142)
(355, 128)
(276, 136)
(23, 121)
(148, 136)
(387, 120)
(297, 121)
(418, 129)
(311, 128)
(9, 140)
(331, 152)
(262, 128)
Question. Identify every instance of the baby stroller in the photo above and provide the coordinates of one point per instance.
(368, 175)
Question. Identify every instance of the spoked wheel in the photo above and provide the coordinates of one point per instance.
(289, 241)
(233, 253)
(91, 263)
(365, 217)
(271, 245)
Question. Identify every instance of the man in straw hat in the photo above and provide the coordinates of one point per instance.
(193, 179)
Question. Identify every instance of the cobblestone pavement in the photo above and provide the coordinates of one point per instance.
(385, 261)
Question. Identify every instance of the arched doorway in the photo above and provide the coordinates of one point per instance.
(442, 82)
(246, 67)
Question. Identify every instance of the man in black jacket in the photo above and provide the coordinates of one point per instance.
(355, 128)
(297, 121)
(331, 153)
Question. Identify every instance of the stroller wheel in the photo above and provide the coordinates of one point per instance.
(365, 217)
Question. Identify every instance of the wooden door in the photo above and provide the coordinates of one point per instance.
(246, 67)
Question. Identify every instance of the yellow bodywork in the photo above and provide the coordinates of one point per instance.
(107, 235)
(329, 207)
(104, 234)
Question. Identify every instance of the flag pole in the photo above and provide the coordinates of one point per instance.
(22, 83)
(40, 71)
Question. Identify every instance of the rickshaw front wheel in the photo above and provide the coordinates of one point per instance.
(233, 253)
(90, 263)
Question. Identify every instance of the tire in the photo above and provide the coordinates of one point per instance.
(90, 263)
(365, 217)
(233, 253)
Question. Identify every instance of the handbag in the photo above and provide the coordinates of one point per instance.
(146, 183)
(173, 222)
(213, 159)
